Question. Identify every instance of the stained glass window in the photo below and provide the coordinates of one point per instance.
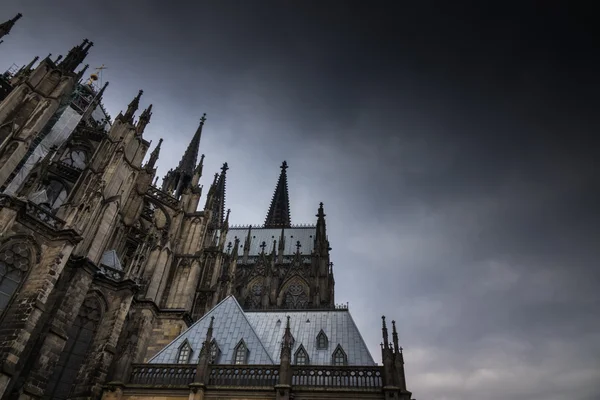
(296, 296)
(80, 337)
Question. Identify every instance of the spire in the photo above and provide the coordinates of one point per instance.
(5, 27)
(395, 337)
(154, 156)
(132, 107)
(384, 331)
(144, 120)
(75, 56)
(217, 200)
(286, 345)
(94, 103)
(279, 211)
(321, 242)
(190, 157)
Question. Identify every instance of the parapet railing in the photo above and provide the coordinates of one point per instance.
(351, 377)
(162, 374)
(339, 377)
(44, 216)
(163, 196)
(244, 375)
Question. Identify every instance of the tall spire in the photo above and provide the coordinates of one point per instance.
(144, 120)
(217, 202)
(190, 157)
(154, 156)
(5, 27)
(132, 107)
(279, 211)
(181, 177)
(75, 56)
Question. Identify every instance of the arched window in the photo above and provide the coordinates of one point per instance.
(339, 356)
(57, 194)
(295, 296)
(80, 337)
(76, 158)
(185, 351)
(15, 261)
(322, 341)
(214, 352)
(301, 356)
(240, 354)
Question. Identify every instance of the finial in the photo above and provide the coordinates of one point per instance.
(203, 119)
(60, 56)
(212, 320)
(224, 168)
(284, 165)
(229, 245)
(298, 245)
(263, 245)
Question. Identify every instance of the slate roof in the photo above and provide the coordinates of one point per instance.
(111, 260)
(306, 236)
(262, 332)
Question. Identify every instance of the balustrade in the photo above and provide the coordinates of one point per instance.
(42, 215)
(244, 375)
(342, 377)
(350, 377)
(162, 374)
(162, 196)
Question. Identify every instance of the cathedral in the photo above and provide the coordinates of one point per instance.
(114, 287)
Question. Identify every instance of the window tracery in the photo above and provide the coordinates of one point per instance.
(80, 337)
(75, 158)
(296, 296)
(254, 298)
(15, 262)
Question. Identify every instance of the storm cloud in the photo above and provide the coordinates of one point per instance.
(454, 147)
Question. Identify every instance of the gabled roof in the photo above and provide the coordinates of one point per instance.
(229, 327)
(263, 332)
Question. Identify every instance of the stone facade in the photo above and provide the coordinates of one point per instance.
(99, 267)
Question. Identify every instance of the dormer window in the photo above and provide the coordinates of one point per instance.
(185, 351)
(322, 340)
(214, 352)
(301, 356)
(339, 357)
(241, 353)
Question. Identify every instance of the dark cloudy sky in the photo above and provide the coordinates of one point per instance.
(455, 149)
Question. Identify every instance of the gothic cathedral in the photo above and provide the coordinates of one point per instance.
(104, 274)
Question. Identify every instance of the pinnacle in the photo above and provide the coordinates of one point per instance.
(279, 211)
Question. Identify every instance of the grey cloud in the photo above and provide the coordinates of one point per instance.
(456, 160)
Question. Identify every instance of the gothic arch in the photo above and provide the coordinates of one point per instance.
(294, 293)
(301, 356)
(255, 289)
(18, 255)
(80, 337)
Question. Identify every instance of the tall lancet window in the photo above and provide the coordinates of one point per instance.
(15, 261)
(80, 337)
(57, 194)
(241, 353)
(339, 356)
(185, 351)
